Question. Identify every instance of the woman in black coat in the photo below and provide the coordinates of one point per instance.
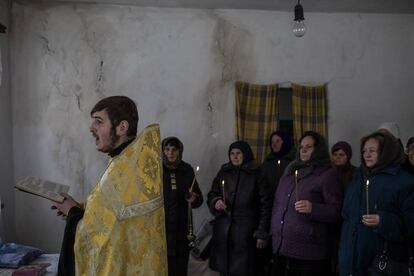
(282, 153)
(242, 208)
(178, 177)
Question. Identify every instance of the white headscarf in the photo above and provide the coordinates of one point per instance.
(391, 127)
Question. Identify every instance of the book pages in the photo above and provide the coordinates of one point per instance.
(43, 188)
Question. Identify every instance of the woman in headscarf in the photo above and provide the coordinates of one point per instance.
(408, 164)
(376, 214)
(178, 177)
(282, 153)
(307, 203)
(239, 201)
(341, 154)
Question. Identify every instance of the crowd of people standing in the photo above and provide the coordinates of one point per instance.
(303, 211)
(308, 210)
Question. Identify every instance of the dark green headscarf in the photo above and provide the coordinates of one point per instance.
(244, 147)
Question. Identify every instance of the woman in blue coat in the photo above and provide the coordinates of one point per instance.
(368, 223)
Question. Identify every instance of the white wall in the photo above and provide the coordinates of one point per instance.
(6, 163)
(179, 65)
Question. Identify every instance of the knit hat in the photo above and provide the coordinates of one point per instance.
(391, 127)
(343, 146)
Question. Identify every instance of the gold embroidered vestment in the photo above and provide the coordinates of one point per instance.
(123, 230)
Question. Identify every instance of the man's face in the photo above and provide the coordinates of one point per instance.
(171, 153)
(339, 158)
(101, 129)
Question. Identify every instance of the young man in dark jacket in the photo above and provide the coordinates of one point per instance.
(181, 193)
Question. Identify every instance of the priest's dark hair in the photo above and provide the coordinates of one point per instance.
(119, 108)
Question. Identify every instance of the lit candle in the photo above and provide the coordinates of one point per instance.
(224, 195)
(190, 234)
(367, 195)
(278, 167)
(194, 178)
(296, 185)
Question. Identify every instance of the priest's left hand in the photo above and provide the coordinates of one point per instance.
(66, 205)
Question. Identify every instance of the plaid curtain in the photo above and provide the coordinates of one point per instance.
(256, 115)
(309, 110)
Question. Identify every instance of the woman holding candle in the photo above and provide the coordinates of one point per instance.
(378, 201)
(181, 191)
(307, 203)
(240, 203)
(282, 153)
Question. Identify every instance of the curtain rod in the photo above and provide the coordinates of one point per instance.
(288, 84)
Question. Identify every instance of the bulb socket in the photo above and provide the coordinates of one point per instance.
(299, 13)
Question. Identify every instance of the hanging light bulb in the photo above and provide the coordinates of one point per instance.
(299, 28)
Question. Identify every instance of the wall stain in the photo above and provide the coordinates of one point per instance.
(78, 99)
(96, 43)
(45, 42)
(209, 107)
(231, 48)
(100, 79)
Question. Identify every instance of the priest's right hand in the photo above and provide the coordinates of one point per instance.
(220, 205)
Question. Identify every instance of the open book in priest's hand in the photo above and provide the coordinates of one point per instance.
(42, 188)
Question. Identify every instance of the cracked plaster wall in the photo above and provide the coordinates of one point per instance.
(179, 65)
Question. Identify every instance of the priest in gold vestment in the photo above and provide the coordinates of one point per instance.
(120, 229)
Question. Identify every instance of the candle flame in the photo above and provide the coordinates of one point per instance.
(367, 182)
(197, 169)
(278, 162)
(296, 172)
(222, 182)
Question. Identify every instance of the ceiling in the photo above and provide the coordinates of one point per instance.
(354, 6)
